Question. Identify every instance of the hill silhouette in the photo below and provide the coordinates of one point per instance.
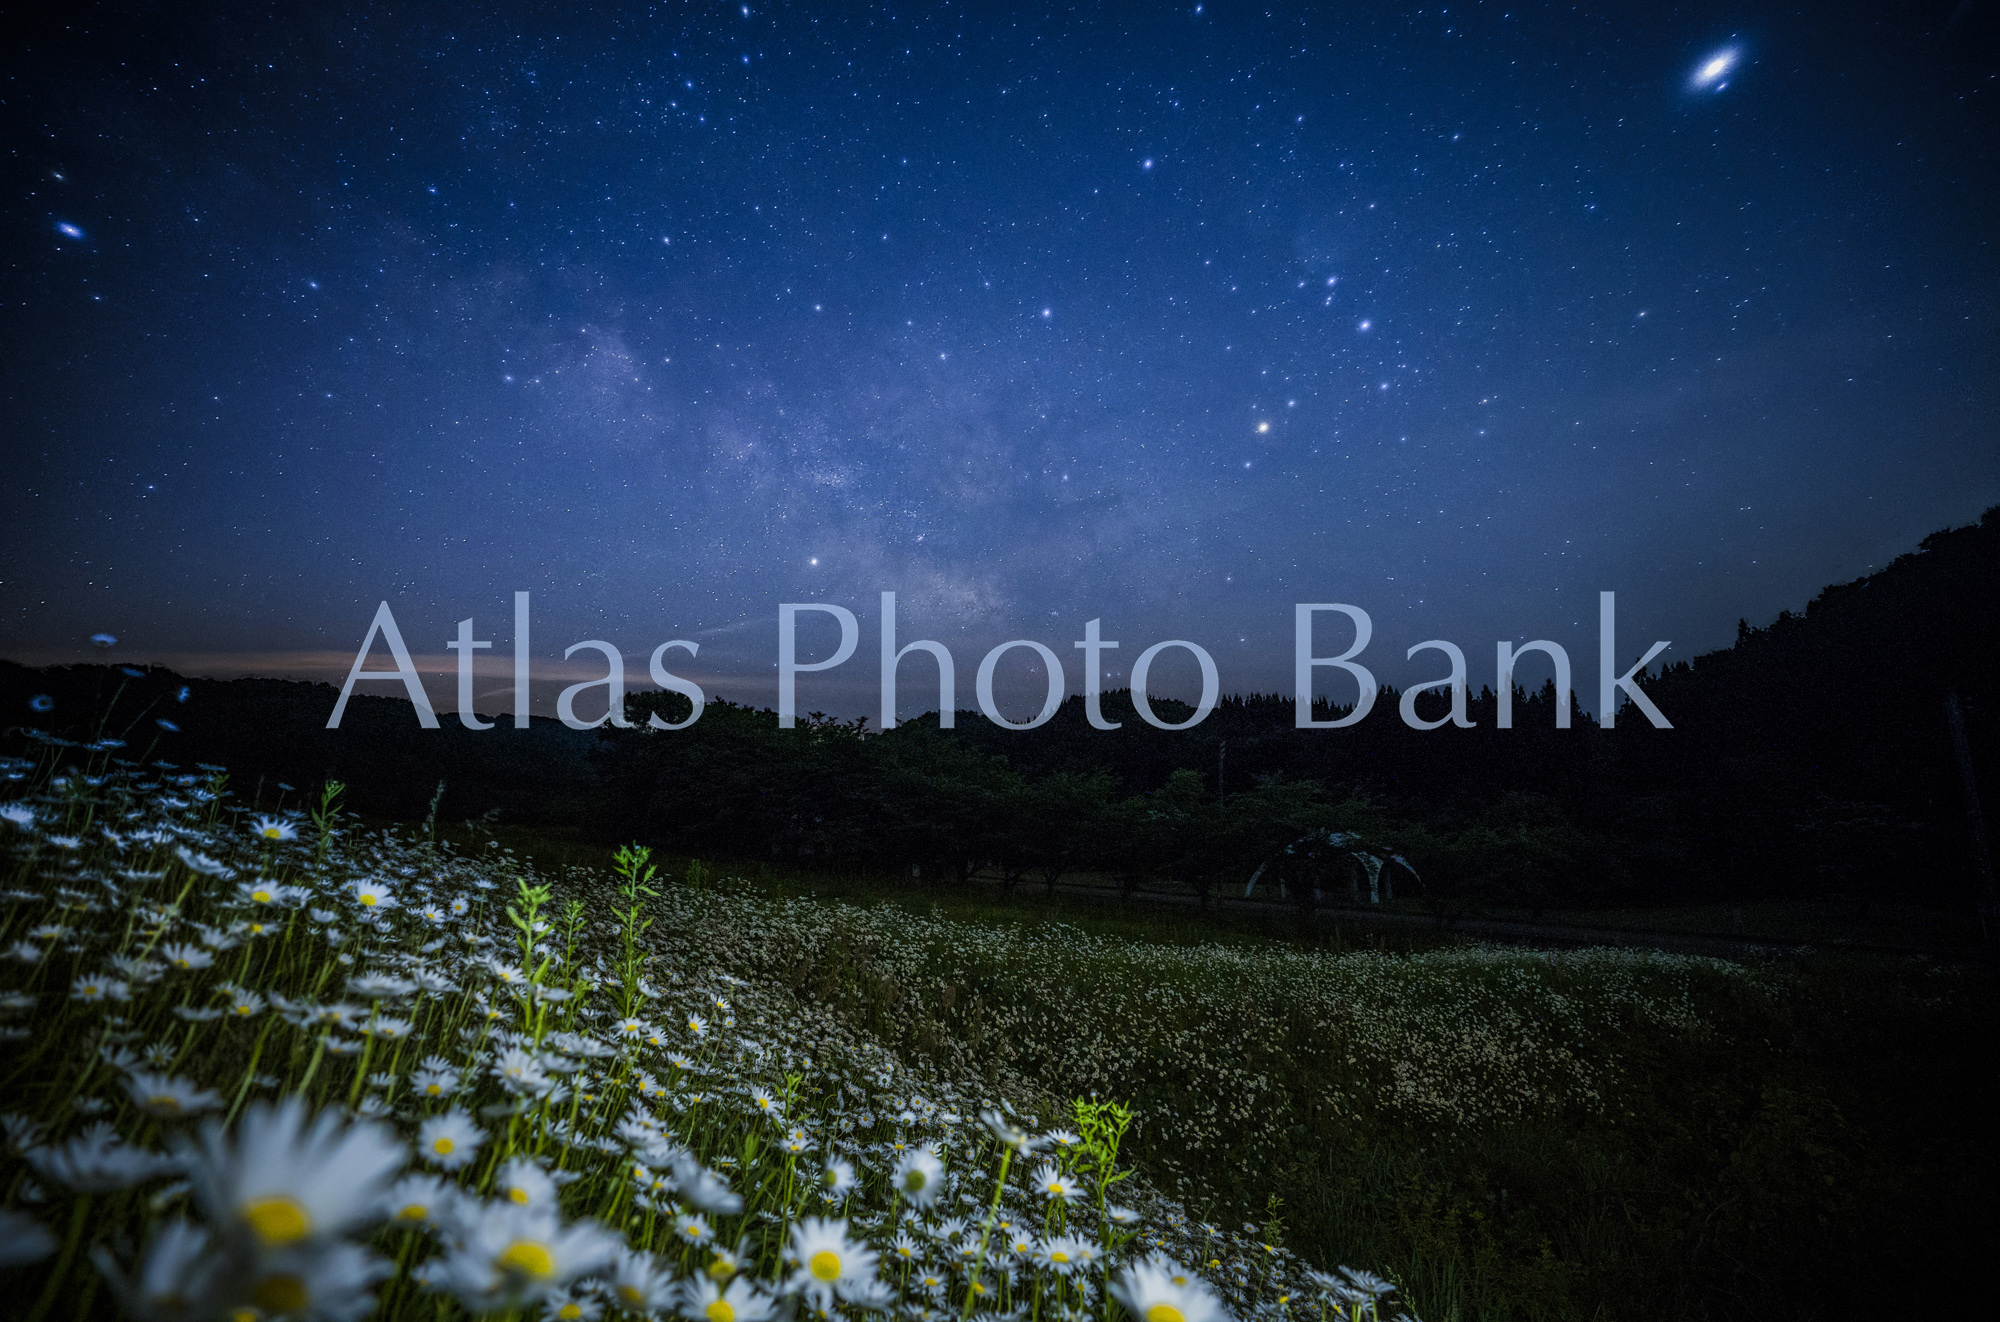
(1810, 758)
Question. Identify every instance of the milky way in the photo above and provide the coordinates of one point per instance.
(1172, 318)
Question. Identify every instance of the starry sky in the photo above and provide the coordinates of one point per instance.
(1172, 316)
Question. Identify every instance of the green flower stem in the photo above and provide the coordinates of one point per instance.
(992, 1213)
(78, 1219)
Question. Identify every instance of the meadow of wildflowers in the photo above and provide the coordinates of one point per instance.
(274, 1065)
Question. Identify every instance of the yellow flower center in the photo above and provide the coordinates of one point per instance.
(719, 1311)
(162, 1104)
(270, 833)
(443, 1147)
(277, 1220)
(527, 1258)
(721, 1269)
(631, 1295)
(368, 899)
(414, 1212)
(262, 897)
(434, 1089)
(570, 1312)
(914, 1182)
(1055, 1186)
(825, 1265)
(280, 1294)
(1164, 1313)
(518, 1195)
(1059, 1256)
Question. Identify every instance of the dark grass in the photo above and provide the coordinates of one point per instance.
(1826, 1147)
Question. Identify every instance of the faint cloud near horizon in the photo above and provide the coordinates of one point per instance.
(493, 675)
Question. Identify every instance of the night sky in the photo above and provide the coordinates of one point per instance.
(1169, 316)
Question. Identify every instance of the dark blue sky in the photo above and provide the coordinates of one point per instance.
(1169, 316)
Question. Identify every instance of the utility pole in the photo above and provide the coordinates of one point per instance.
(1982, 861)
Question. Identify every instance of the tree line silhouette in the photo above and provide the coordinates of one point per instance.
(1811, 758)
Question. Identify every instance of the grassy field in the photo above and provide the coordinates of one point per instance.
(235, 1039)
(285, 1065)
(1505, 1132)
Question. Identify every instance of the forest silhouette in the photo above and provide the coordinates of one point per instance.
(1813, 758)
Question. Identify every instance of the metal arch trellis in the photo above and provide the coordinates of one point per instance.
(1372, 858)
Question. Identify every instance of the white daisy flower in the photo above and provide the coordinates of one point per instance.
(1065, 1254)
(180, 1276)
(380, 986)
(1011, 1134)
(704, 1188)
(521, 1073)
(1158, 1289)
(284, 1178)
(263, 893)
(523, 1183)
(1052, 1183)
(167, 1097)
(98, 1161)
(274, 829)
(739, 1301)
(919, 1177)
(640, 1284)
(201, 863)
(507, 1255)
(99, 989)
(571, 1306)
(372, 895)
(186, 956)
(419, 1200)
(830, 1264)
(838, 1178)
(428, 1082)
(318, 1281)
(450, 1140)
